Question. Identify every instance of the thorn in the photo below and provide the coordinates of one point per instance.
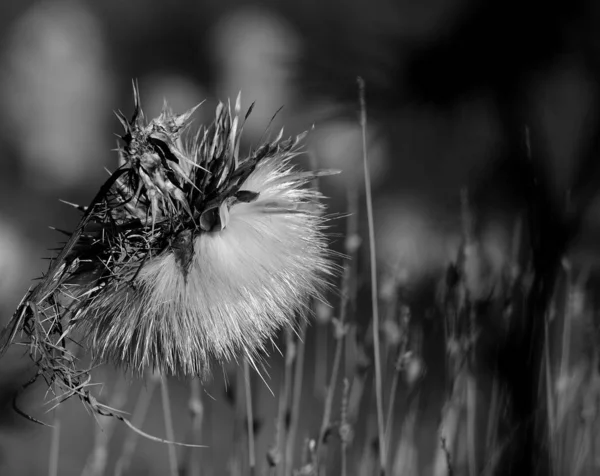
(279, 136)
(300, 138)
(249, 111)
(182, 120)
(121, 153)
(219, 111)
(138, 115)
(81, 208)
(238, 103)
(122, 119)
(136, 93)
(64, 232)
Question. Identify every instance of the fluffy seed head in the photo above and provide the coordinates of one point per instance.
(204, 254)
(189, 252)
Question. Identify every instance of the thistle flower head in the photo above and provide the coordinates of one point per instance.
(188, 253)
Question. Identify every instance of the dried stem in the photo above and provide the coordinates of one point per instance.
(196, 409)
(471, 411)
(296, 397)
(491, 439)
(390, 409)
(341, 324)
(321, 356)
(166, 405)
(393, 391)
(374, 293)
(284, 401)
(55, 444)
(337, 358)
(345, 429)
(249, 418)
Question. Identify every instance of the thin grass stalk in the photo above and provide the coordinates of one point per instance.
(139, 416)
(471, 400)
(284, 401)
(321, 351)
(55, 444)
(393, 390)
(274, 456)
(555, 405)
(374, 293)
(390, 409)
(565, 351)
(321, 344)
(240, 434)
(296, 398)
(390, 412)
(347, 291)
(453, 407)
(249, 418)
(210, 423)
(471, 381)
(353, 243)
(552, 404)
(326, 422)
(355, 398)
(196, 409)
(491, 438)
(345, 429)
(166, 406)
(357, 389)
(471, 411)
(558, 409)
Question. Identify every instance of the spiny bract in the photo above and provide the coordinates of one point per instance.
(188, 253)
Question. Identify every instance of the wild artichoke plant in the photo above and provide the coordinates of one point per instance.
(188, 253)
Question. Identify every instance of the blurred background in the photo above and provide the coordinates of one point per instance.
(441, 77)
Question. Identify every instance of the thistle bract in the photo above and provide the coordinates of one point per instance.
(188, 253)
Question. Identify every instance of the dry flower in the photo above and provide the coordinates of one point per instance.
(188, 253)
